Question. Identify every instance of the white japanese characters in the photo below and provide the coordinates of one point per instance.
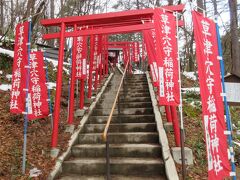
(166, 72)
(210, 118)
(19, 59)
(79, 56)
(35, 86)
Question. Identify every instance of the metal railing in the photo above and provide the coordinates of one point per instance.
(105, 132)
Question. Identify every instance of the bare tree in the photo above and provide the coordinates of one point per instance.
(52, 7)
(2, 16)
(215, 7)
(234, 38)
(157, 3)
(170, 2)
(137, 3)
(200, 5)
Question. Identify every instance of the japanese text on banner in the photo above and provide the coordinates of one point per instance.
(37, 102)
(165, 26)
(150, 40)
(81, 57)
(17, 103)
(212, 102)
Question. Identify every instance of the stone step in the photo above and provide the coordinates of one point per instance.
(119, 138)
(125, 127)
(136, 81)
(126, 99)
(136, 85)
(118, 166)
(126, 105)
(122, 119)
(130, 94)
(117, 150)
(135, 76)
(131, 90)
(123, 111)
(113, 177)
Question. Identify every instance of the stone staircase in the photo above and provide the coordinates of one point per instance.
(135, 152)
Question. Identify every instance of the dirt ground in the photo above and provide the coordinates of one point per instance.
(38, 142)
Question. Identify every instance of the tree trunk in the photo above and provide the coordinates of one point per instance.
(215, 7)
(12, 14)
(52, 8)
(2, 17)
(234, 38)
(62, 9)
(191, 57)
(200, 5)
(170, 2)
(137, 3)
(51, 29)
(157, 3)
(30, 8)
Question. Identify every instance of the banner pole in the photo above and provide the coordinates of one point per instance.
(228, 117)
(180, 105)
(26, 107)
(72, 75)
(49, 96)
(90, 66)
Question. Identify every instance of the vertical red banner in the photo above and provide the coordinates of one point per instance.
(136, 51)
(99, 51)
(143, 50)
(81, 57)
(95, 51)
(150, 40)
(165, 25)
(212, 101)
(37, 102)
(18, 96)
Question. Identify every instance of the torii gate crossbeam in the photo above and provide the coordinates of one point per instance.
(99, 24)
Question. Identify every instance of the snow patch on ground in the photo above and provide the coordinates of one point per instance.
(192, 89)
(5, 87)
(190, 75)
(5, 38)
(55, 64)
(9, 77)
(51, 85)
(138, 72)
(7, 52)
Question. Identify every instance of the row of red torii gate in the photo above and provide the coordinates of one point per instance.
(159, 28)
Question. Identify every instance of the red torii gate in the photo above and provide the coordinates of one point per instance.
(120, 45)
(127, 21)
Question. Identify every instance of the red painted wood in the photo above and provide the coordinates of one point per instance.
(58, 88)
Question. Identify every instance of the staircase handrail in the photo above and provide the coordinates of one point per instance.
(105, 132)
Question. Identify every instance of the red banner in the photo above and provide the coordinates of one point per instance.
(95, 52)
(150, 40)
(99, 51)
(212, 101)
(81, 57)
(37, 94)
(135, 51)
(144, 54)
(18, 96)
(165, 26)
